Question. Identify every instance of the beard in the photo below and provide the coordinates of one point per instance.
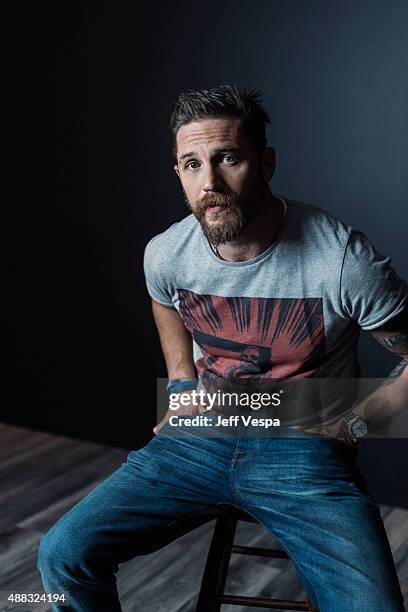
(228, 223)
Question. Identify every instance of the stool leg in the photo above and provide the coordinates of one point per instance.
(216, 566)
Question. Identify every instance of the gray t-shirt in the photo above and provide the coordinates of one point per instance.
(293, 312)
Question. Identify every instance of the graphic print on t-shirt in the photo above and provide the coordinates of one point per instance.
(262, 337)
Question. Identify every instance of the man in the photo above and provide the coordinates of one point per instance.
(250, 285)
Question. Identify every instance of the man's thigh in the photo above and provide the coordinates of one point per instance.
(311, 495)
(161, 492)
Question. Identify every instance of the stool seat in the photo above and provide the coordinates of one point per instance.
(241, 515)
(211, 595)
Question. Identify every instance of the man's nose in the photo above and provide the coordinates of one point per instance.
(212, 180)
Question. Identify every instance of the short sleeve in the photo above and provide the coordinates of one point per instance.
(371, 290)
(156, 282)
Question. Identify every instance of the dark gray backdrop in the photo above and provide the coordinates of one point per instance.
(335, 82)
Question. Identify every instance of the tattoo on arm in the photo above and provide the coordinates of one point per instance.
(396, 372)
(397, 343)
(394, 337)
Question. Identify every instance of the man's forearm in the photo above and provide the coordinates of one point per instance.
(390, 399)
(182, 369)
(176, 342)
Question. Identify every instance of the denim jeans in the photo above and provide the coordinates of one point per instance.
(307, 491)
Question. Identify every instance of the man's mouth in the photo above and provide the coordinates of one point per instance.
(216, 208)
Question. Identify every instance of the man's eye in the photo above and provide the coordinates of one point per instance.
(188, 164)
(231, 158)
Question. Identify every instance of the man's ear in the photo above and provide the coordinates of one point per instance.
(268, 163)
(176, 170)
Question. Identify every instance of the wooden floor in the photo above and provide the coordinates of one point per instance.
(42, 475)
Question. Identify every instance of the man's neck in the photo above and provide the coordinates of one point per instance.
(259, 234)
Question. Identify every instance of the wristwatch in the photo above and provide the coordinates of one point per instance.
(356, 426)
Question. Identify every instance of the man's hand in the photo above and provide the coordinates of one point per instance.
(190, 409)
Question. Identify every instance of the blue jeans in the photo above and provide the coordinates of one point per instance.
(307, 491)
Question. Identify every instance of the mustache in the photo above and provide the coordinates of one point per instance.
(216, 199)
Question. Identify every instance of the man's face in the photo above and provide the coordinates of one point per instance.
(222, 176)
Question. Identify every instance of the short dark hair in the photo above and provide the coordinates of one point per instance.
(222, 101)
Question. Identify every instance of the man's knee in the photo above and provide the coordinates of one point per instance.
(57, 550)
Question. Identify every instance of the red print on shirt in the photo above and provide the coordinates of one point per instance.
(262, 337)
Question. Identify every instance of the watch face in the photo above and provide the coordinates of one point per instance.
(358, 428)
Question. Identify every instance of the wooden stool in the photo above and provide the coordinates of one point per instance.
(212, 596)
